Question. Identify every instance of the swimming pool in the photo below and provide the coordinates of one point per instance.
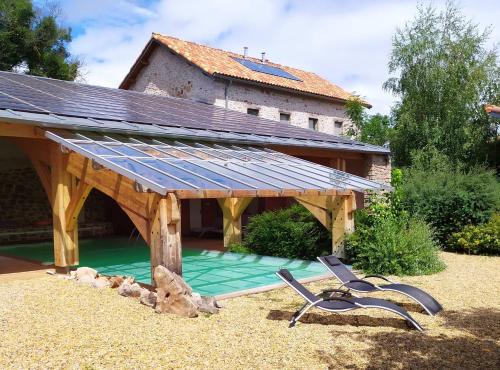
(208, 272)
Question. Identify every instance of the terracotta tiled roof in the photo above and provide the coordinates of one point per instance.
(217, 62)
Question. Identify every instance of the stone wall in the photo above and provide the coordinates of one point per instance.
(378, 168)
(170, 75)
(26, 215)
(23, 201)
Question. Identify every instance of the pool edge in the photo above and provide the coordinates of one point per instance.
(267, 288)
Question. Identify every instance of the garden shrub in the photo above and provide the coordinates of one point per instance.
(291, 233)
(238, 248)
(481, 239)
(387, 240)
(395, 246)
(450, 199)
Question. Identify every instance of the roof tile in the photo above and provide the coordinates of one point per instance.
(220, 62)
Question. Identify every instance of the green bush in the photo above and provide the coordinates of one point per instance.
(238, 248)
(481, 239)
(393, 245)
(450, 199)
(292, 233)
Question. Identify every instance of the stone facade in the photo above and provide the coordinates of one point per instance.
(170, 75)
(25, 212)
(378, 168)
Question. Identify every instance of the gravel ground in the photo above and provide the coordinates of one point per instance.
(52, 323)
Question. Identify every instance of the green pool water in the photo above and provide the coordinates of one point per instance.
(208, 272)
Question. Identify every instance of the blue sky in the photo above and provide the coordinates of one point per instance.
(347, 42)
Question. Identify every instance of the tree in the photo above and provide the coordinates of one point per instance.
(375, 129)
(445, 75)
(32, 41)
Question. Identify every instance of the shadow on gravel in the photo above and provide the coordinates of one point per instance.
(340, 319)
(476, 347)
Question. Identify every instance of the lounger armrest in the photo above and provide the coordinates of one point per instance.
(335, 291)
(359, 281)
(340, 299)
(377, 276)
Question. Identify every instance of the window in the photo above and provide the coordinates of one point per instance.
(338, 126)
(313, 124)
(253, 111)
(285, 117)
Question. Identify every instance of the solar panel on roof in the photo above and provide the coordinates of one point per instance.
(267, 69)
(78, 105)
(171, 166)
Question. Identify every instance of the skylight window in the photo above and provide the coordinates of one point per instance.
(267, 69)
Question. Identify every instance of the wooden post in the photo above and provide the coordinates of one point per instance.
(62, 184)
(342, 221)
(165, 235)
(232, 209)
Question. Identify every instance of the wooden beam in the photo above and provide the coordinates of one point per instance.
(165, 235)
(65, 242)
(320, 207)
(336, 213)
(78, 197)
(299, 151)
(232, 209)
(141, 224)
(119, 188)
(19, 130)
(43, 173)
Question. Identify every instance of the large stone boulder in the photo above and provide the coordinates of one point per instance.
(85, 273)
(173, 293)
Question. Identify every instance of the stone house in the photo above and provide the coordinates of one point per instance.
(171, 67)
(177, 68)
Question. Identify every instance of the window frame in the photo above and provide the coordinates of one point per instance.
(289, 115)
(336, 125)
(255, 110)
(315, 123)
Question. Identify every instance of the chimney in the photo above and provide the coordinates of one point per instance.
(245, 51)
(263, 59)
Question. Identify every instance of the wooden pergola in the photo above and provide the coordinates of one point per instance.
(70, 164)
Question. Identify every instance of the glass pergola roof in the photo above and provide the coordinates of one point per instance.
(209, 170)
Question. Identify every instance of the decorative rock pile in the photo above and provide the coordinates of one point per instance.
(173, 294)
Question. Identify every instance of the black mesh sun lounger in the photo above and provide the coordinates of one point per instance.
(339, 304)
(352, 282)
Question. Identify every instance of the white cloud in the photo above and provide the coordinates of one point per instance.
(346, 42)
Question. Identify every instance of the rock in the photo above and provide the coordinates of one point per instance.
(85, 271)
(129, 290)
(86, 279)
(148, 297)
(116, 281)
(196, 298)
(208, 305)
(173, 293)
(101, 282)
(129, 279)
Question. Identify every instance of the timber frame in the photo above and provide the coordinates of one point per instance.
(68, 177)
